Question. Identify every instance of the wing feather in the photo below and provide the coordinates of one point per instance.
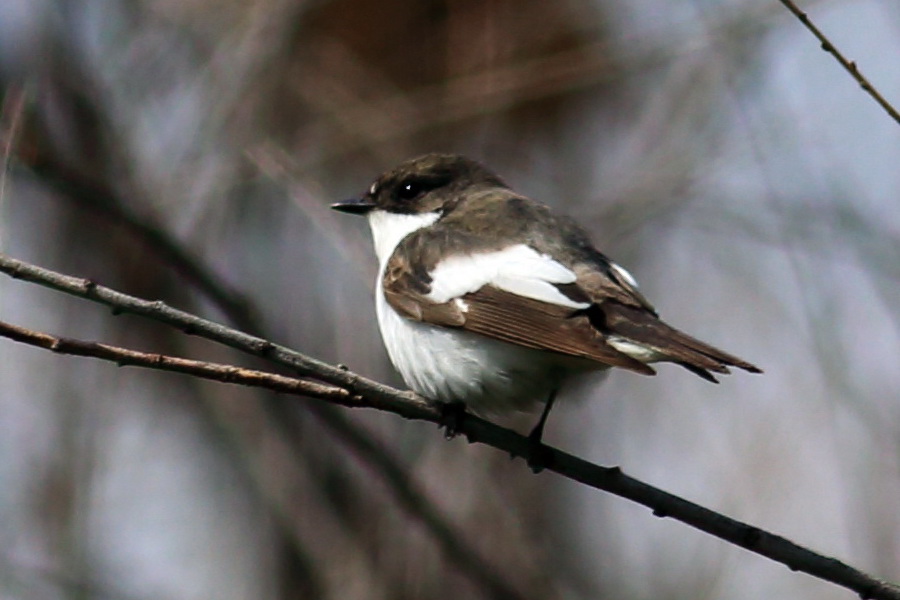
(518, 269)
(512, 318)
(560, 326)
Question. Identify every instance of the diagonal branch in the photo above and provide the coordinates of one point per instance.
(358, 391)
(414, 407)
(849, 65)
(124, 357)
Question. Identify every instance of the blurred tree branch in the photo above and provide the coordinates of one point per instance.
(349, 389)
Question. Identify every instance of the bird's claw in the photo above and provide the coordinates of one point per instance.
(452, 416)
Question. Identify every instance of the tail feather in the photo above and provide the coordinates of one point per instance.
(668, 343)
(701, 372)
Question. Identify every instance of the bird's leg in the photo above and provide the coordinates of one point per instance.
(538, 432)
(539, 456)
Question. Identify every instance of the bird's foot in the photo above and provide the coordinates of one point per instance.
(452, 416)
(538, 456)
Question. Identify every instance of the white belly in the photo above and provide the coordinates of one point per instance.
(450, 365)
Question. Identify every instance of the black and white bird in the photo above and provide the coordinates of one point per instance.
(487, 298)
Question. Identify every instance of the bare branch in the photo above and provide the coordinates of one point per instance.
(849, 65)
(125, 357)
(380, 396)
(357, 391)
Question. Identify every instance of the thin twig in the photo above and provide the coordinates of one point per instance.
(125, 357)
(367, 393)
(849, 65)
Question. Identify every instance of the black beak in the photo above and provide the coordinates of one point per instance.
(355, 206)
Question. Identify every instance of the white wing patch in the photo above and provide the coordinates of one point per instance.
(641, 352)
(518, 269)
(624, 274)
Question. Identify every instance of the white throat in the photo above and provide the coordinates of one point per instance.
(389, 229)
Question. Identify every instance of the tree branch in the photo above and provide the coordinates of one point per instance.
(125, 357)
(357, 391)
(849, 65)
(380, 396)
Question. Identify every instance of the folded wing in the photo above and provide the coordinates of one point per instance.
(515, 295)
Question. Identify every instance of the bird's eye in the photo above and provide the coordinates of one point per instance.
(409, 190)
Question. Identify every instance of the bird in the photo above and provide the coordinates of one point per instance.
(487, 299)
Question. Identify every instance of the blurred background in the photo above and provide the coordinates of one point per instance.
(187, 150)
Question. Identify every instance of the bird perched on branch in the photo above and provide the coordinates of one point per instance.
(487, 298)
